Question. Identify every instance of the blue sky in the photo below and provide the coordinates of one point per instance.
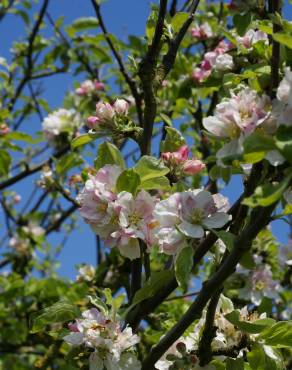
(122, 17)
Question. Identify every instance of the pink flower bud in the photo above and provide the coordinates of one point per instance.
(16, 199)
(184, 152)
(99, 85)
(193, 166)
(104, 111)
(92, 122)
(4, 129)
(81, 91)
(121, 106)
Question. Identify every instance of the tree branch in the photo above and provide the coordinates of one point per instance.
(259, 219)
(131, 83)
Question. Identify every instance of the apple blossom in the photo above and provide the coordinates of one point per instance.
(202, 32)
(240, 114)
(217, 59)
(19, 244)
(86, 273)
(104, 335)
(186, 214)
(135, 222)
(259, 283)
(96, 200)
(88, 87)
(61, 121)
(33, 229)
(4, 129)
(251, 37)
(284, 95)
(104, 118)
(179, 163)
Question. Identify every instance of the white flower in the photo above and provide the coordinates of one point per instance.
(223, 62)
(61, 121)
(284, 95)
(104, 335)
(86, 273)
(33, 229)
(121, 106)
(186, 214)
(251, 37)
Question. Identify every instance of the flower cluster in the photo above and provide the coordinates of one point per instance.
(251, 37)
(61, 121)
(218, 60)
(105, 114)
(180, 165)
(237, 117)
(110, 344)
(259, 283)
(226, 336)
(119, 218)
(122, 219)
(21, 242)
(186, 215)
(89, 87)
(202, 31)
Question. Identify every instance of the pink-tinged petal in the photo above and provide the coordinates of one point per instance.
(75, 339)
(171, 241)
(99, 85)
(193, 166)
(216, 126)
(121, 106)
(183, 152)
(93, 314)
(222, 203)
(92, 122)
(72, 326)
(216, 220)
(191, 230)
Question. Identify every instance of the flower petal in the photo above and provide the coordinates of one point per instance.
(193, 231)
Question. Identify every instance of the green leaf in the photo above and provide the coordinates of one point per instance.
(267, 194)
(129, 180)
(237, 364)
(5, 162)
(258, 143)
(183, 267)
(247, 261)
(173, 140)
(82, 24)
(98, 303)
(59, 312)
(264, 358)
(156, 282)
(21, 136)
(241, 22)
(108, 154)
(284, 142)
(67, 162)
(227, 238)
(158, 183)
(249, 327)
(81, 140)
(166, 119)
(150, 168)
(283, 38)
(178, 20)
(278, 335)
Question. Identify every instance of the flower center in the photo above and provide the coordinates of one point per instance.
(197, 216)
(134, 218)
(102, 207)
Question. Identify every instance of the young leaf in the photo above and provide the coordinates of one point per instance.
(108, 154)
(278, 335)
(183, 266)
(150, 168)
(249, 327)
(267, 194)
(129, 181)
(81, 140)
(156, 282)
(173, 140)
(61, 311)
